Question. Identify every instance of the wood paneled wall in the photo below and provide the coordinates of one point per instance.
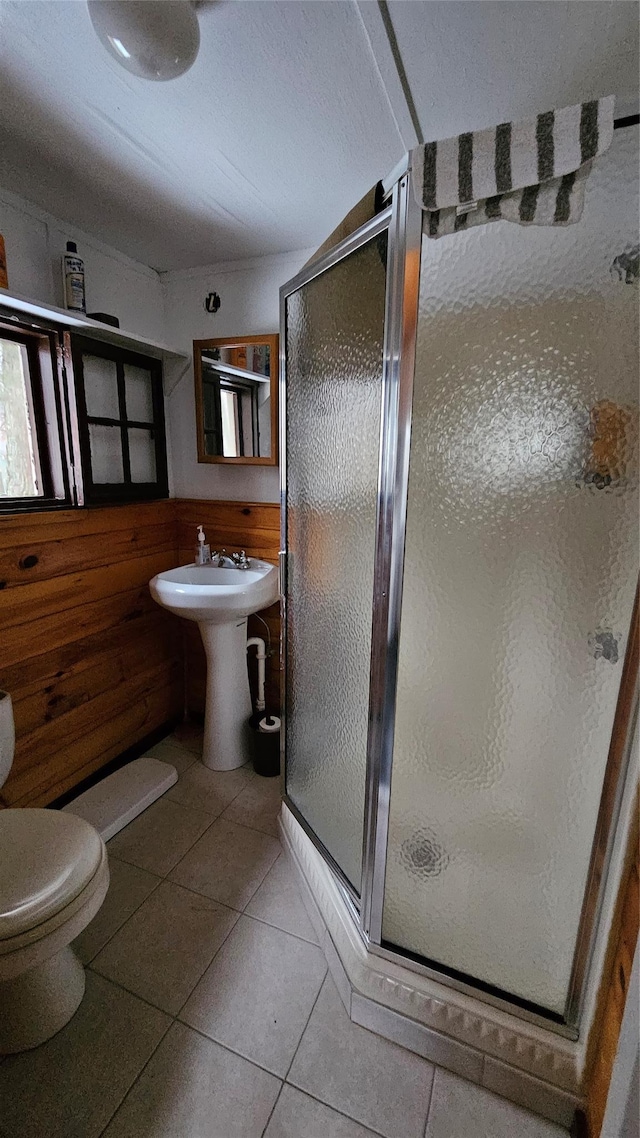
(623, 934)
(93, 665)
(614, 987)
(255, 527)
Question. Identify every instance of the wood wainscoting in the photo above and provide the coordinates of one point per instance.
(254, 527)
(614, 988)
(92, 664)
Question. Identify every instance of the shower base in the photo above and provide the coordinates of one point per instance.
(521, 1061)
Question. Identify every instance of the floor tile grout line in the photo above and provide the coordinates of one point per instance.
(206, 830)
(298, 936)
(197, 893)
(226, 903)
(433, 1083)
(214, 818)
(130, 992)
(219, 948)
(326, 973)
(121, 926)
(337, 1109)
(272, 1111)
(173, 1015)
(226, 1047)
(164, 876)
(138, 1076)
(251, 781)
(91, 964)
(246, 825)
(303, 1090)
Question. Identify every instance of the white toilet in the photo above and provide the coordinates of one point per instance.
(54, 876)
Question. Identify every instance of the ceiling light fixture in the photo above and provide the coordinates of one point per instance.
(155, 39)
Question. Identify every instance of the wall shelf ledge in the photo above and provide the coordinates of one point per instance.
(12, 305)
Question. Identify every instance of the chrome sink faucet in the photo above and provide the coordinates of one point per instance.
(240, 560)
(234, 561)
(221, 558)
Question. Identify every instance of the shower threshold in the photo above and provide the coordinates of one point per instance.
(526, 1062)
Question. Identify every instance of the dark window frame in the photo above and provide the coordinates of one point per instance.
(104, 493)
(50, 418)
(242, 390)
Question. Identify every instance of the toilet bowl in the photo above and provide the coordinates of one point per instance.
(53, 879)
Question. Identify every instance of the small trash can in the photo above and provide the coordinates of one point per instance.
(265, 736)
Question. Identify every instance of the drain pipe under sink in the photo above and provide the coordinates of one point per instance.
(261, 656)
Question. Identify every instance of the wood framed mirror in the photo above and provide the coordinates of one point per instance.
(236, 382)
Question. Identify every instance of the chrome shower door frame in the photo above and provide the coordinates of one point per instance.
(401, 323)
(378, 224)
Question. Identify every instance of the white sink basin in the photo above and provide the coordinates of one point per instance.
(220, 600)
(206, 593)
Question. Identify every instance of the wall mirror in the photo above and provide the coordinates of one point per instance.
(237, 399)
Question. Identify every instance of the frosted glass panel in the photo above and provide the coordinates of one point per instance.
(521, 561)
(100, 387)
(106, 454)
(334, 344)
(138, 394)
(142, 455)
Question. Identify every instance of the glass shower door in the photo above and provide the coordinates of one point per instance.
(520, 569)
(333, 335)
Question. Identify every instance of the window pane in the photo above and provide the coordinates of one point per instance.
(230, 433)
(106, 454)
(18, 454)
(142, 455)
(138, 393)
(100, 387)
(210, 396)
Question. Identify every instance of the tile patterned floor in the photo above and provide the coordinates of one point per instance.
(209, 1012)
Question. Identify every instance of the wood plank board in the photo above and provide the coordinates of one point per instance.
(60, 557)
(51, 525)
(28, 603)
(67, 744)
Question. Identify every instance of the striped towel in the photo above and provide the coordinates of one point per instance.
(531, 172)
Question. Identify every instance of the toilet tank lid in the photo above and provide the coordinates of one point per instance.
(46, 859)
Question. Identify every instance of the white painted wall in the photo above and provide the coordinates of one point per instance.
(249, 292)
(167, 307)
(35, 242)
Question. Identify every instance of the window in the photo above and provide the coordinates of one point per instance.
(121, 422)
(231, 414)
(34, 462)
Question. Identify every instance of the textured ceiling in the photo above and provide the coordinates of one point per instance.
(291, 111)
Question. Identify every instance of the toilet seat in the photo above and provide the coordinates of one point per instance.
(48, 859)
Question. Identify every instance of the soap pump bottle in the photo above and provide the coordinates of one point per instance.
(73, 279)
(203, 551)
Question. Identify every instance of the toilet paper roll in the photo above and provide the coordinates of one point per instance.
(269, 725)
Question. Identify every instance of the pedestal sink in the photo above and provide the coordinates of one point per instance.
(220, 600)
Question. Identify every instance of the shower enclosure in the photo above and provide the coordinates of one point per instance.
(460, 549)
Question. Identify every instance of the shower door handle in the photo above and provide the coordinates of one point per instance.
(282, 567)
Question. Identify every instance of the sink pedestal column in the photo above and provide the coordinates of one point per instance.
(227, 738)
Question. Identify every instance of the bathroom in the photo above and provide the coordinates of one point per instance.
(434, 558)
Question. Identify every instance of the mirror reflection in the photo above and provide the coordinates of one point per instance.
(236, 399)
